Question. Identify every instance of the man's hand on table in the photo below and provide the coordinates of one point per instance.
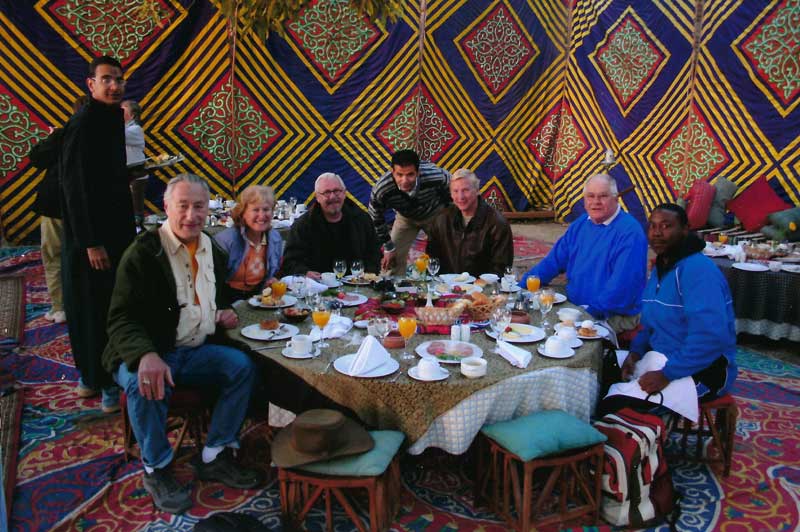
(653, 381)
(227, 318)
(153, 373)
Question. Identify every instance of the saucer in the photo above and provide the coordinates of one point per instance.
(542, 352)
(288, 353)
(414, 374)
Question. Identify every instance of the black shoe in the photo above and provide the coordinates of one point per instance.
(168, 495)
(225, 469)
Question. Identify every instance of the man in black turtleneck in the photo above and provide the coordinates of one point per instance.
(98, 221)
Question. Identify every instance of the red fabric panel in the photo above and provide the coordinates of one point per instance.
(755, 203)
(699, 199)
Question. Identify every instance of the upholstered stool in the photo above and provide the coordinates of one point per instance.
(717, 421)
(187, 414)
(377, 471)
(572, 451)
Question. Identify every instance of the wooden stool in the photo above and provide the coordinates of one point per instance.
(717, 421)
(188, 414)
(571, 449)
(377, 471)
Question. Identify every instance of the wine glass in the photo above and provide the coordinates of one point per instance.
(378, 326)
(357, 269)
(500, 320)
(421, 264)
(433, 267)
(321, 314)
(299, 287)
(339, 268)
(546, 298)
(407, 326)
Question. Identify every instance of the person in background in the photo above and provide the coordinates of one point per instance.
(334, 228)
(604, 255)
(164, 330)
(47, 203)
(254, 248)
(469, 235)
(416, 191)
(134, 148)
(98, 222)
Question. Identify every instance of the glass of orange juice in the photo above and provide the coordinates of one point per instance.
(321, 314)
(278, 289)
(532, 283)
(407, 326)
(421, 264)
(723, 238)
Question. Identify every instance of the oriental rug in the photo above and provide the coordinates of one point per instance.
(71, 473)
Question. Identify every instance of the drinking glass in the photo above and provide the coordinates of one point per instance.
(299, 286)
(546, 299)
(533, 283)
(421, 264)
(321, 314)
(407, 326)
(378, 326)
(278, 290)
(500, 320)
(433, 267)
(723, 238)
(357, 269)
(339, 268)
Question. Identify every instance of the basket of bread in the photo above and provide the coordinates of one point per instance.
(440, 315)
(481, 306)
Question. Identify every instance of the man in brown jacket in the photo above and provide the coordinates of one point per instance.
(469, 235)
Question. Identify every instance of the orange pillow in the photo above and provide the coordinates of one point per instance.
(755, 203)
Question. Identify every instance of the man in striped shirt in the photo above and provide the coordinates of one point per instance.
(417, 192)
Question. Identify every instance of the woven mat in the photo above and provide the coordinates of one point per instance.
(12, 307)
(10, 425)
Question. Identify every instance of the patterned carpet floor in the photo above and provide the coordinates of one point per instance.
(71, 474)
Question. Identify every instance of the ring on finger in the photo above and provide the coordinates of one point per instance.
(145, 382)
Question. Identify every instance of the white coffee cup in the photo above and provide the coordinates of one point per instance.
(328, 278)
(568, 334)
(489, 277)
(775, 265)
(473, 367)
(300, 344)
(428, 369)
(555, 346)
(569, 315)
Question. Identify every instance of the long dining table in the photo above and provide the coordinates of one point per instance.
(446, 414)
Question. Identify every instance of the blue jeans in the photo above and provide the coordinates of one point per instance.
(208, 366)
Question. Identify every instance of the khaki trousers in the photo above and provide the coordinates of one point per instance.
(404, 232)
(51, 259)
(621, 324)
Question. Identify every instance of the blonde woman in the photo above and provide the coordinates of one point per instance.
(254, 248)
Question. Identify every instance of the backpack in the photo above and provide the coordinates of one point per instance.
(636, 482)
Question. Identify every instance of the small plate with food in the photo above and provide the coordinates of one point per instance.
(162, 160)
(272, 302)
(361, 280)
(296, 314)
(589, 330)
(453, 278)
(269, 330)
(448, 351)
(519, 333)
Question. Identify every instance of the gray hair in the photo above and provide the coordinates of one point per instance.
(469, 175)
(185, 178)
(134, 109)
(610, 181)
(329, 175)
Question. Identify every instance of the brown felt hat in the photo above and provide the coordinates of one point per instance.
(317, 435)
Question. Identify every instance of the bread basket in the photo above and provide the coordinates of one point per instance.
(483, 310)
(440, 315)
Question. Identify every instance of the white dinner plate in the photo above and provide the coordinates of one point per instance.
(447, 289)
(288, 301)
(452, 278)
(255, 332)
(288, 353)
(559, 298)
(342, 364)
(791, 268)
(360, 282)
(352, 300)
(448, 351)
(576, 343)
(361, 324)
(414, 374)
(750, 266)
(542, 352)
(602, 332)
(520, 333)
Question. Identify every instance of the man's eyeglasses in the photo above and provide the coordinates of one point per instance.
(601, 197)
(329, 193)
(108, 80)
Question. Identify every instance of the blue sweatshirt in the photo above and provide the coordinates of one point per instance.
(606, 265)
(688, 316)
(233, 241)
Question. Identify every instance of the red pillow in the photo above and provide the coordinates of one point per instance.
(699, 199)
(755, 203)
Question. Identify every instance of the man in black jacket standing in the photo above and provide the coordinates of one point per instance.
(98, 222)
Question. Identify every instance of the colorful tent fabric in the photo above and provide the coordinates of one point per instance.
(530, 95)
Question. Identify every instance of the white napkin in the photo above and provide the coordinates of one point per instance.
(370, 355)
(337, 326)
(515, 355)
(680, 395)
(312, 286)
(280, 224)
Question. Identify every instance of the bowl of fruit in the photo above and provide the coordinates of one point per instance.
(296, 314)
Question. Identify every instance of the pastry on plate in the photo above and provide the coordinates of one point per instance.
(587, 329)
(269, 325)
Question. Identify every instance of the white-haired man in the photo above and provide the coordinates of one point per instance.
(604, 255)
(169, 300)
(334, 228)
(469, 235)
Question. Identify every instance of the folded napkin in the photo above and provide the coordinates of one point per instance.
(312, 286)
(337, 326)
(370, 355)
(679, 396)
(515, 355)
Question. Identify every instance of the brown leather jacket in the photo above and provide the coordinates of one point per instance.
(485, 245)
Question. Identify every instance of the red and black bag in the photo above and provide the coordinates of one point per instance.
(637, 485)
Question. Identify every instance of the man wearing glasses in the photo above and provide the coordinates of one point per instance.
(98, 222)
(334, 228)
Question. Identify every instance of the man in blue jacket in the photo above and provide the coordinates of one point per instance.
(604, 255)
(687, 312)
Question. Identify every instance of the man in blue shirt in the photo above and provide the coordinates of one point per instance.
(604, 255)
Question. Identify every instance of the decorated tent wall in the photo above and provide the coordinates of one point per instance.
(528, 94)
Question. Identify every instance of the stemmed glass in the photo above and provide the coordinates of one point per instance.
(357, 269)
(433, 268)
(509, 279)
(546, 298)
(299, 287)
(339, 268)
(378, 326)
(501, 319)
(321, 314)
(533, 283)
(407, 326)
